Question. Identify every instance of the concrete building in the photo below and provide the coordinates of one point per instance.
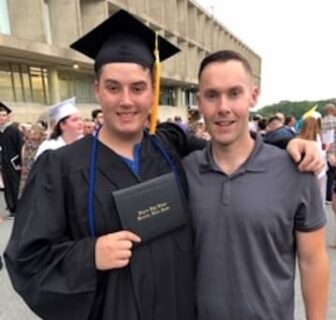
(37, 67)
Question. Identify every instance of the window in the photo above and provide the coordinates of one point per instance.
(23, 83)
(190, 97)
(4, 17)
(78, 85)
(168, 96)
(6, 87)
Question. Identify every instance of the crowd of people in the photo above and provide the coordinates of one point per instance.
(244, 211)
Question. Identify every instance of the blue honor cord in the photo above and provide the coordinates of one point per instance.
(92, 183)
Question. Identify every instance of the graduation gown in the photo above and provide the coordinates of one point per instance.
(51, 257)
(11, 142)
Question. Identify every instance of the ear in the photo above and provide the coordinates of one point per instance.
(199, 103)
(96, 89)
(254, 96)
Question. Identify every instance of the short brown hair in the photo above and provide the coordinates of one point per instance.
(224, 56)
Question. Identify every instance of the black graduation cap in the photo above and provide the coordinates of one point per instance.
(123, 38)
(5, 108)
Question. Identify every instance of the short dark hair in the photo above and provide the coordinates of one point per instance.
(95, 112)
(273, 118)
(4, 109)
(262, 123)
(224, 56)
(288, 119)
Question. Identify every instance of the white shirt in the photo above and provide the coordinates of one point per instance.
(51, 144)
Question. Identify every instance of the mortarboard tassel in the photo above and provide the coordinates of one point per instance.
(157, 78)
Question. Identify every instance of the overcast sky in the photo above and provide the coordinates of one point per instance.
(296, 40)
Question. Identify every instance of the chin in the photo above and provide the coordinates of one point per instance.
(131, 132)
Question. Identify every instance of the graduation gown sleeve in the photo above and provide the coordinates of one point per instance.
(54, 274)
(181, 142)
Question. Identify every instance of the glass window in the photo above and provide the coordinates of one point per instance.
(4, 17)
(23, 83)
(168, 96)
(84, 89)
(190, 97)
(65, 85)
(17, 82)
(26, 83)
(38, 84)
(6, 88)
(78, 85)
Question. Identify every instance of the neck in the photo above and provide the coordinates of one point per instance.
(68, 138)
(231, 157)
(5, 124)
(121, 144)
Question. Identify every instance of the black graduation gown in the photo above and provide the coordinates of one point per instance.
(11, 142)
(50, 255)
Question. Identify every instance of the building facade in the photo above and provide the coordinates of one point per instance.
(38, 69)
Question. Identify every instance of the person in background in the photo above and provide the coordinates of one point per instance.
(333, 205)
(97, 117)
(198, 129)
(89, 126)
(277, 134)
(68, 126)
(312, 130)
(253, 125)
(33, 140)
(329, 128)
(262, 125)
(1, 220)
(254, 213)
(11, 142)
(281, 116)
(290, 123)
(178, 121)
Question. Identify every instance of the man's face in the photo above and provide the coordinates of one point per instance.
(273, 125)
(226, 93)
(4, 117)
(99, 119)
(125, 93)
(89, 127)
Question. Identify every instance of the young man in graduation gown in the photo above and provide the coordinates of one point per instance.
(68, 256)
(11, 142)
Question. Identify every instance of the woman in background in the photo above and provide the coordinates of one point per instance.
(311, 130)
(68, 126)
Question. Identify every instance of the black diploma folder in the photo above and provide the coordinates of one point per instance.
(151, 208)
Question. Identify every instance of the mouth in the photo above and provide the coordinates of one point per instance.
(126, 115)
(224, 123)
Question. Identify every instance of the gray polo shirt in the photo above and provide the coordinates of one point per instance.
(244, 232)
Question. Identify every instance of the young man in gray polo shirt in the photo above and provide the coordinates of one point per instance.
(253, 210)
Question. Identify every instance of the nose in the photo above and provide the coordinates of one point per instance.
(223, 104)
(126, 98)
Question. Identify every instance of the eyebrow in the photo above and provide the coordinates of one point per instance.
(112, 81)
(235, 87)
